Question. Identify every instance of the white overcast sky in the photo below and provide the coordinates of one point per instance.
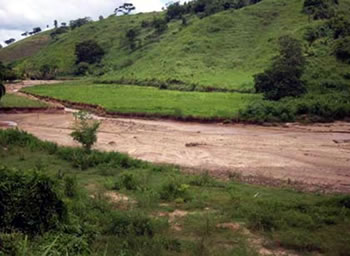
(18, 16)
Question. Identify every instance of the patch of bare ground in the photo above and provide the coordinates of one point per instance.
(257, 242)
(307, 157)
(173, 218)
(115, 197)
(15, 87)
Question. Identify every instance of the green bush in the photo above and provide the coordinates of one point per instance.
(29, 203)
(160, 25)
(48, 72)
(59, 31)
(127, 181)
(173, 190)
(85, 130)
(10, 244)
(122, 224)
(340, 25)
(7, 73)
(82, 69)
(314, 33)
(70, 186)
(89, 51)
(320, 9)
(331, 103)
(2, 90)
(342, 49)
(79, 22)
(283, 78)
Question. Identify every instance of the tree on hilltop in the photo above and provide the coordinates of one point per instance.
(125, 9)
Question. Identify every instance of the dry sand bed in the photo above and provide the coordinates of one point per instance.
(316, 154)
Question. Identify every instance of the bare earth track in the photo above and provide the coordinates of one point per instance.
(317, 156)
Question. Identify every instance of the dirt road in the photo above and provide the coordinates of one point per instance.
(317, 155)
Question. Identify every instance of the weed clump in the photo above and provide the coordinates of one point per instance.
(174, 190)
(29, 203)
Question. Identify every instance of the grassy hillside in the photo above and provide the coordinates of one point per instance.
(25, 48)
(222, 51)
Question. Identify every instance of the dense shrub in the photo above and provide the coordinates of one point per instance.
(320, 9)
(204, 7)
(340, 25)
(332, 104)
(122, 224)
(160, 25)
(29, 203)
(342, 49)
(79, 22)
(59, 31)
(131, 36)
(175, 11)
(283, 78)
(314, 33)
(2, 90)
(89, 51)
(82, 69)
(261, 112)
(70, 186)
(127, 181)
(7, 73)
(48, 72)
(174, 190)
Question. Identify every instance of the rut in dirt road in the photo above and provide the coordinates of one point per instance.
(318, 155)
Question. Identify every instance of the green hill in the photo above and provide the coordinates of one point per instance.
(223, 50)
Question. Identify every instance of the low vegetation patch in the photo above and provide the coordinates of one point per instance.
(65, 211)
(148, 100)
(15, 101)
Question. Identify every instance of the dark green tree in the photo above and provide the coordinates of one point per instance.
(131, 36)
(160, 25)
(2, 90)
(342, 49)
(283, 78)
(125, 9)
(79, 22)
(89, 51)
(175, 11)
(320, 9)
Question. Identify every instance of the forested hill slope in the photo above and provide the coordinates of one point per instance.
(223, 50)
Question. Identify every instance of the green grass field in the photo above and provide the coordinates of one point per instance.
(149, 100)
(98, 225)
(12, 101)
